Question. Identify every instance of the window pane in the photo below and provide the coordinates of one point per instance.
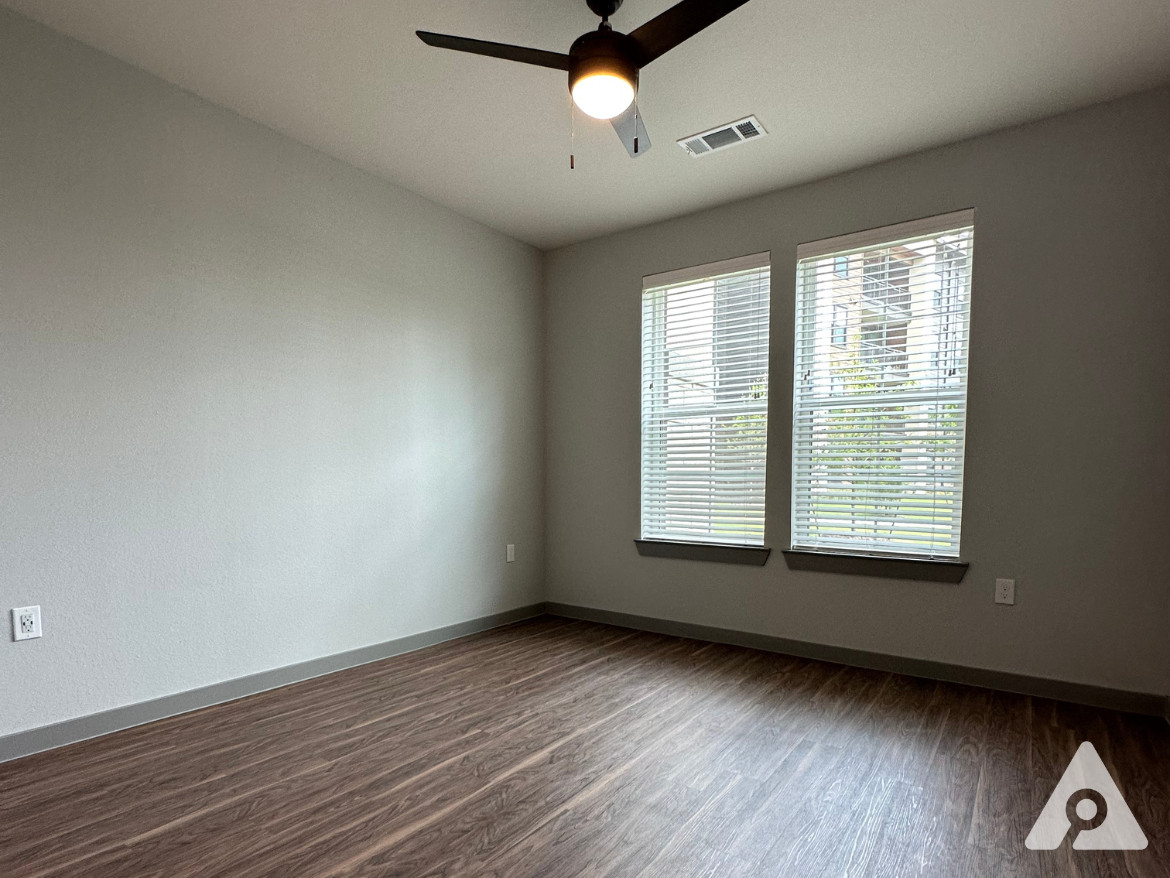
(704, 406)
(880, 391)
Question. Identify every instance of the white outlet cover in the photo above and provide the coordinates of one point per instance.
(1005, 591)
(26, 623)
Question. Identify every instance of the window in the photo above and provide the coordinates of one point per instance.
(841, 266)
(883, 347)
(705, 402)
(886, 283)
(954, 282)
(840, 325)
(879, 422)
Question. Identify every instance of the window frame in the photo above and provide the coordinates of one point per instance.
(659, 541)
(860, 558)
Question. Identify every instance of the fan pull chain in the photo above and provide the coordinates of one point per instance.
(572, 134)
(635, 125)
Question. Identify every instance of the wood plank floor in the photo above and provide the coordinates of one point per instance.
(558, 748)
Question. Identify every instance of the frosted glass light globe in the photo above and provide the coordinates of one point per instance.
(603, 95)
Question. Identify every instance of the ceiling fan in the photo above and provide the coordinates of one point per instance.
(603, 64)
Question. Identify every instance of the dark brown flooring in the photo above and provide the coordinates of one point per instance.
(556, 748)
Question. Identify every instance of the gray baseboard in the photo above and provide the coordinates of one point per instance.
(1060, 690)
(71, 731)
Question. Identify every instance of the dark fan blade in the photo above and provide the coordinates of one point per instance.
(539, 57)
(628, 126)
(681, 22)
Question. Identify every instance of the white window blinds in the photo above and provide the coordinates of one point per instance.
(880, 389)
(705, 402)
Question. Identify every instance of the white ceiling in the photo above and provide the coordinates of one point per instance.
(838, 83)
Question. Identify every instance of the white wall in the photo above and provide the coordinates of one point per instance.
(256, 407)
(1068, 455)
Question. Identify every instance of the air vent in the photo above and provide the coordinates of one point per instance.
(747, 129)
(724, 136)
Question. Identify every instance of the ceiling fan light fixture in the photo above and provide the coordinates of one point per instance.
(603, 77)
(603, 95)
(603, 64)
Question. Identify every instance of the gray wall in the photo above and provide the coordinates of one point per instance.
(1068, 457)
(256, 407)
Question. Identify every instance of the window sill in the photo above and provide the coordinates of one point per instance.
(755, 556)
(891, 567)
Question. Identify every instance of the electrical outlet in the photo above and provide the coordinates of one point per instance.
(26, 623)
(511, 555)
(1005, 591)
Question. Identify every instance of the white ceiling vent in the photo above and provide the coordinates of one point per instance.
(731, 134)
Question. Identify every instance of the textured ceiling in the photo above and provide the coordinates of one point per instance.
(838, 83)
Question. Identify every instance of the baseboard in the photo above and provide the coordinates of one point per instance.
(95, 725)
(71, 731)
(1060, 690)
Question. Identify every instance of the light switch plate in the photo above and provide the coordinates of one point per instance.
(511, 552)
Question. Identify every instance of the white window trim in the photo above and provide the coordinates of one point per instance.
(699, 273)
(870, 238)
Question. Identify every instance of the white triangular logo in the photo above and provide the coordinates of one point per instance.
(1087, 800)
